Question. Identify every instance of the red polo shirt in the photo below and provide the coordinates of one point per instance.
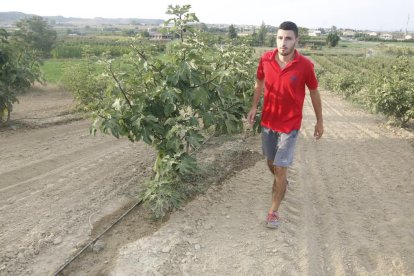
(284, 90)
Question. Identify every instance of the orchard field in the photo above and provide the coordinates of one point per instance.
(348, 208)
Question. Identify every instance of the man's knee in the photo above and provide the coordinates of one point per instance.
(271, 166)
(280, 171)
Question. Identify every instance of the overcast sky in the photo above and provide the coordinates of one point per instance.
(378, 15)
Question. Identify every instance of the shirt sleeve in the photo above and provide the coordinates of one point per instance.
(260, 72)
(311, 80)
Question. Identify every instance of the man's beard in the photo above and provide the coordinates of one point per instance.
(286, 52)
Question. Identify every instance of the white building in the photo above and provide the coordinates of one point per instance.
(386, 36)
(349, 34)
(314, 33)
(160, 36)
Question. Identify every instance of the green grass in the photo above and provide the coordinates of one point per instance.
(360, 48)
(53, 69)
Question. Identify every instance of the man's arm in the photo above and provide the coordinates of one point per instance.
(258, 90)
(317, 107)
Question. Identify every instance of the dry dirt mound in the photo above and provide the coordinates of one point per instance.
(57, 181)
(43, 106)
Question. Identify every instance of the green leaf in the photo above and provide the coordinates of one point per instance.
(173, 144)
(195, 139)
(200, 96)
(169, 108)
(208, 119)
(187, 165)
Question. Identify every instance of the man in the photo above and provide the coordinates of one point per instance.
(283, 75)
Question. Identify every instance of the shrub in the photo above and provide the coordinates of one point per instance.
(392, 92)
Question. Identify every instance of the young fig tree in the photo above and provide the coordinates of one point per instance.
(170, 100)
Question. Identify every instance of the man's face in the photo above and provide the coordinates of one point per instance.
(286, 42)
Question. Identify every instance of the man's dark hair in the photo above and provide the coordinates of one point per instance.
(289, 26)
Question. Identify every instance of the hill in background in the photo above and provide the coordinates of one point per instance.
(8, 19)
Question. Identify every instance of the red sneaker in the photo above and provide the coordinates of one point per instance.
(272, 220)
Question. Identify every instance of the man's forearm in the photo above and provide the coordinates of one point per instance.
(317, 105)
(257, 93)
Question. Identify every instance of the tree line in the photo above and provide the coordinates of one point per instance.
(21, 54)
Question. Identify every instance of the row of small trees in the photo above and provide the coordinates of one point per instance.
(386, 87)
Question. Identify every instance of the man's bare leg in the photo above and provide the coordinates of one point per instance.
(271, 166)
(279, 185)
(272, 170)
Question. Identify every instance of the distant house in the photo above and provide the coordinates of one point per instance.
(349, 33)
(160, 36)
(372, 34)
(408, 37)
(386, 36)
(245, 34)
(314, 33)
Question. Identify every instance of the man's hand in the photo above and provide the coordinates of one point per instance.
(317, 106)
(251, 116)
(258, 89)
(318, 131)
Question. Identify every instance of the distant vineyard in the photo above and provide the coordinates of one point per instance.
(384, 83)
(75, 46)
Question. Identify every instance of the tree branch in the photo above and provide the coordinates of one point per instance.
(119, 85)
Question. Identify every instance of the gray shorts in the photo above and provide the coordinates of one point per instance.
(279, 146)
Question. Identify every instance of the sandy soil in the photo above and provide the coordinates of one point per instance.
(57, 181)
(348, 209)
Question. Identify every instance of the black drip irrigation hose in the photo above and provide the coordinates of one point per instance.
(94, 240)
(121, 217)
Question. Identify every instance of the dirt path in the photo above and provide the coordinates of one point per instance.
(60, 187)
(348, 211)
(57, 182)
